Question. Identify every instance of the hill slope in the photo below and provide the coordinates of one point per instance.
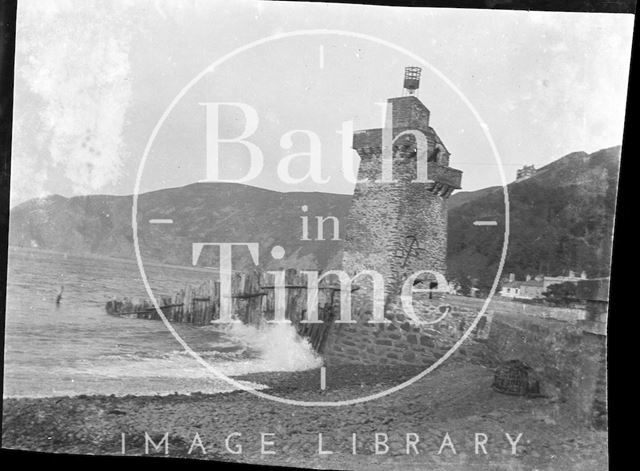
(560, 219)
(202, 212)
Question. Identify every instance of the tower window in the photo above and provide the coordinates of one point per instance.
(434, 156)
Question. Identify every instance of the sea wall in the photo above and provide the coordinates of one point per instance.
(401, 341)
(569, 359)
(566, 353)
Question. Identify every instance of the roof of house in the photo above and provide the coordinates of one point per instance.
(533, 283)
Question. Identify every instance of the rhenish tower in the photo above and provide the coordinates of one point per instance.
(398, 226)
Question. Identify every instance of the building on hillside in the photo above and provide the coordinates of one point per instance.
(526, 172)
(557, 280)
(510, 289)
(534, 287)
(529, 289)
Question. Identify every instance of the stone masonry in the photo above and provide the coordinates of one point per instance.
(402, 342)
(399, 227)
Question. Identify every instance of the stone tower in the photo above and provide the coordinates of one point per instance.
(398, 227)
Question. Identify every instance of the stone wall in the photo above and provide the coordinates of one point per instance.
(402, 342)
(568, 355)
(570, 360)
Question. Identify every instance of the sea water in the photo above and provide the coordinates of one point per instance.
(75, 347)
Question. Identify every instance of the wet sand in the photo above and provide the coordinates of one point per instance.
(455, 401)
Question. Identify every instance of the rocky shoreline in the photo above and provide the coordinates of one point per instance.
(440, 422)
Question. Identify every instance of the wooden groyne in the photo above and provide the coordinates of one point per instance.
(253, 300)
(190, 305)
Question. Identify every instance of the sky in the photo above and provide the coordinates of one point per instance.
(94, 78)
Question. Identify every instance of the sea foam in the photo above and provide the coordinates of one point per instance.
(279, 346)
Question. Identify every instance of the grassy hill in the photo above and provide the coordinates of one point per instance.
(202, 212)
(560, 219)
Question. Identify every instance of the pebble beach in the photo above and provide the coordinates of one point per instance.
(446, 420)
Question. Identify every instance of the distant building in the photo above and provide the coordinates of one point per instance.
(571, 278)
(511, 289)
(533, 288)
(526, 172)
(529, 289)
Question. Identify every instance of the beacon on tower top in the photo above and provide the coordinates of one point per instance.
(411, 80)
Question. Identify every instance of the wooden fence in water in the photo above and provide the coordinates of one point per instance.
(253, 301)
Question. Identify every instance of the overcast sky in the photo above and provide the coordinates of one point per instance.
(92, 80)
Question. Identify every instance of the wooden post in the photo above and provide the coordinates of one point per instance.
(254, 302)
(264, 300)
(188, 304)
(215, 311)
(206, 318)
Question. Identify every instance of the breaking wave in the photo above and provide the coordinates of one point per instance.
(278, 347)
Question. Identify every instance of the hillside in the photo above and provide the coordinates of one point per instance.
(561, 219)
(461, 197)
(202, 212)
